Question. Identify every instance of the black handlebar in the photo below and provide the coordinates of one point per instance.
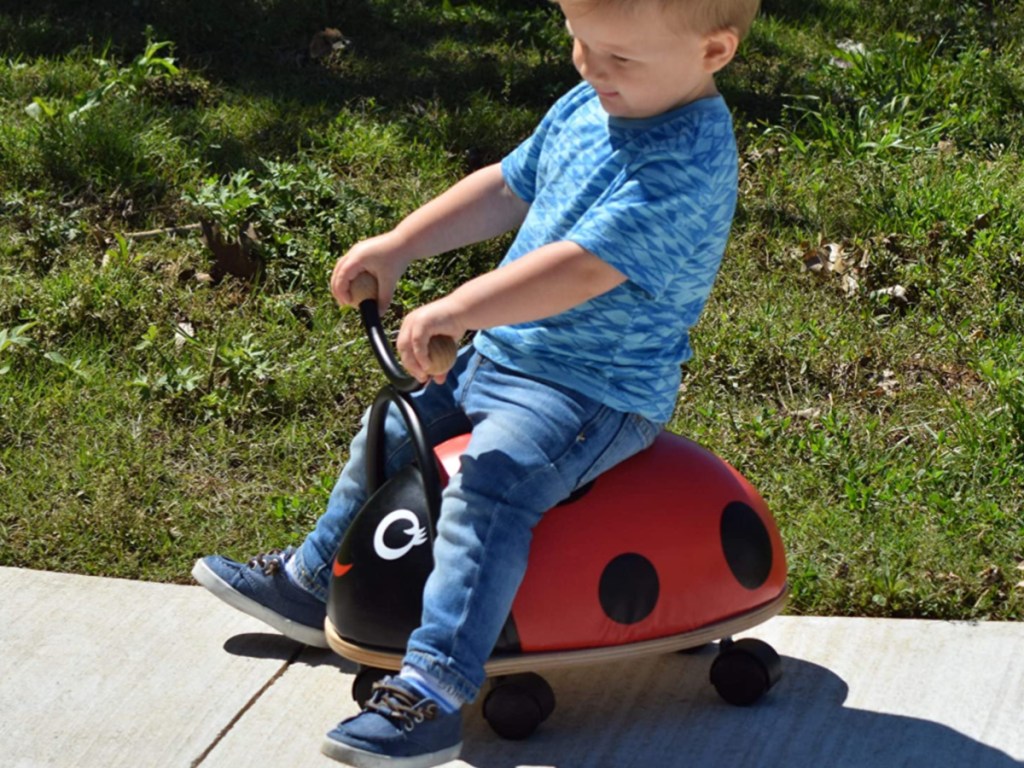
(394, 371)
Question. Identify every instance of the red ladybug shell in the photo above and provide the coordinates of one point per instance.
(669, 541)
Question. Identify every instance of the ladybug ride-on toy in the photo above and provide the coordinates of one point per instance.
(670, 550)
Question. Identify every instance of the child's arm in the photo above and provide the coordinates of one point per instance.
(544, 282)
(477, 208)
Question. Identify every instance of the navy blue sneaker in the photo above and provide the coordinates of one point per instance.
(399, 728)
(263, 590)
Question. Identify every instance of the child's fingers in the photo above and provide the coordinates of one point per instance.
(340, 289)
(411, 358)
(425, 344)
(421, 350)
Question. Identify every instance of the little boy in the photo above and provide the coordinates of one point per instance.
(623, 198)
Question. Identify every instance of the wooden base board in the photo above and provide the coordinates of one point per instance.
(532, 662)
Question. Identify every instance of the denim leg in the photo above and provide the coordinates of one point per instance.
(441, 418)
(533, 443)
(313, 558)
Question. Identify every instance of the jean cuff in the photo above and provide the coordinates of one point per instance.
(309, 578)
(450, 681)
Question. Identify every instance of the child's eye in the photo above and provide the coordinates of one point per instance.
(619, 59)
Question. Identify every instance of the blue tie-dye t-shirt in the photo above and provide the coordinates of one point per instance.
(652, 197)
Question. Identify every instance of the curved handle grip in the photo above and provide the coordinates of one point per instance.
(442, 349)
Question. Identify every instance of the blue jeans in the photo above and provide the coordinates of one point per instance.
(532, 444)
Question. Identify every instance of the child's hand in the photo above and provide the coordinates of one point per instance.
(379, 256)
(422, 358)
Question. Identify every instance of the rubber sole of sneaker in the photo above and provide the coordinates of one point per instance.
(360, 758)
(300, 633)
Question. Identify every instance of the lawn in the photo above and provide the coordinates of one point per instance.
(860, 360)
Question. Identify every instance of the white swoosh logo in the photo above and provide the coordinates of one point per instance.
(417, 535)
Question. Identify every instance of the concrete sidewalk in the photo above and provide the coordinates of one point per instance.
(103, 672)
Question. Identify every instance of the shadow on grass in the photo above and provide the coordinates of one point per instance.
(800, 11)
(476, 65)
(261, 47)
(512, 52)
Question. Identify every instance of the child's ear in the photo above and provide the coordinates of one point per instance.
(719, 48)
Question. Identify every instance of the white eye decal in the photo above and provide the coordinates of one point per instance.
(417, 535)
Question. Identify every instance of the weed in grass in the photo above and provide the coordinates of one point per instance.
(299, 212)
(222, 379)
(11, 338)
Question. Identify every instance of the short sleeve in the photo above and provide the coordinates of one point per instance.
(519, 167)
(656, 222)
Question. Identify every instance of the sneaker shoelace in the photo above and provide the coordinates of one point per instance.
(271, 562)
(399, 705)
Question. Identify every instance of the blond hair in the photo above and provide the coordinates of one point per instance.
(702, 16)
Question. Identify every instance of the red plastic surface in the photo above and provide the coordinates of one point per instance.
(666, 505)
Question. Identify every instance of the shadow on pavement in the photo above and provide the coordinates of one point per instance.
(663, 712)
(270, 645)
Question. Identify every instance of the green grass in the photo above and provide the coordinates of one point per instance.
(860, 360)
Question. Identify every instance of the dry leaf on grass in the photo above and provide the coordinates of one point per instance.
(836, 260)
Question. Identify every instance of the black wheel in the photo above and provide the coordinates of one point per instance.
(517, 704)
(745, 670)
(362, 685)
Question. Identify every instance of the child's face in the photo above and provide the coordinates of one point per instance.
(640, 62)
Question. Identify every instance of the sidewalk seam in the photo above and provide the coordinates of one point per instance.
(245, 708)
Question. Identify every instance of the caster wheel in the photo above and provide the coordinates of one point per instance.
(745, 670)
(362, 685)
(517, 704)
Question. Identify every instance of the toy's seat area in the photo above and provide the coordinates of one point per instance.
(669, 541)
